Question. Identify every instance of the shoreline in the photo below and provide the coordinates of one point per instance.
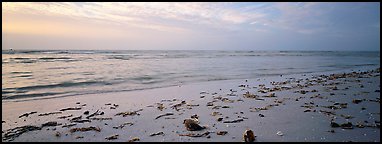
(288, 117)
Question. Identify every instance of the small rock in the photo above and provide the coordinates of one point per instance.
(248, 136)
(86, 112)
(220, 119)
(261, 115)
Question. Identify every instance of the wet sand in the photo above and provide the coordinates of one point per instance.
(304, 107)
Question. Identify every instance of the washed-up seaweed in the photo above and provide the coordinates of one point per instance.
(91, 128)
(123, 125)
(52, 123)
(101, 119)
(157, 133)
(112, 137)
(233, 121)
(129, 113)
(74, 108)
(13, 133)
(64, 117)
(27, 114)
(162, 115)
(94, 114)
(134, 139)
(69, 125)
(196, 134)
(51, 113)
(221, 132)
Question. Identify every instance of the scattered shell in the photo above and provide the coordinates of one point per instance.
(279, 133)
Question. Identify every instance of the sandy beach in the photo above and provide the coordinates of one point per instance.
(302, 107)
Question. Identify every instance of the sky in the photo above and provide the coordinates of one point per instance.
(350, 26)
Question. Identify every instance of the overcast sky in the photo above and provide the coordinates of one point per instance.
(191, 26)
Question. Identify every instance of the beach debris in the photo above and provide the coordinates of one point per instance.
(233, 121)
(160, 106)
(192, 125)
(157, 133)
(196, 134)
(194, 116)
(91, 128)
(78, 103)
(112, 137)
(248, 136)
(86, 112)
(134, 139)
(123, 125)
(130, 113)
(27, 114)
(166, 114)
(360, 125)
(57, 134)
(225, 106)
(108, 104)
(210, 104)
(332, 131)
(52, 123)
(64, 117)
(178, 105)
(334, 124)
(347, 125)
(261, 115)
(215, 113)
(94, 114)
(255, 109)
(81, 120)
(101, 119)
(307, 110)
(13, 133)
(51, 113)
(279, 133)
(69, 125)
(70, 108)
(221, 132)
(79, 137)
(270, 95)
(346, 116)
(356, 101)
(328, 113)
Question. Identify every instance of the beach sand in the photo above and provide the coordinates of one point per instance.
(301, 109)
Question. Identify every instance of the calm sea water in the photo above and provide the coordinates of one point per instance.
(27, 74)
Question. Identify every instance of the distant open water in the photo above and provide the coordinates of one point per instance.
(35, 74)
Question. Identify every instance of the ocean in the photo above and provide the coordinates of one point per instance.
(42, 74)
